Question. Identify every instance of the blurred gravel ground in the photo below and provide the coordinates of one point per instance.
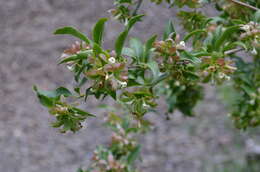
(28, 55)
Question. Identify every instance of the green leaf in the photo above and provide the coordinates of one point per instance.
(78, 73)
(120, 41)
(160, 78)
(119, 44)
(148, 47)
(188, 36)
(80, 56)
(133, 21)
(233, 45)
(55, 94)
(80, 170)
(137, 46)
(248, 90)
(70, 58)
(154, 68)
(128, 52)
(188, 56)
(169, 29)
(201, 53)
(257, 16)
(72, 31)
(98, 31)
(134, 155)
(81, 112)
(97, 49)
(171, 102)
(226, 34)
(57, 124)
(63, 91)
(112, 93)
(44, 100)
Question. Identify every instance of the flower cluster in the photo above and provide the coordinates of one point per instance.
(123, 150)
(139, 101)
(68, 117)
(107, 72)
(217, 70)
(170, 47)
(251, 35)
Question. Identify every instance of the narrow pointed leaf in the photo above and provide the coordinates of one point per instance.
(79, 56)
(133, 155)
(120, 41)
(133, 21)
(187, 37)
(148, 47)
(169, 29)
(72, 31)
(119, 44)
(226, 34)
(82, 112)
(98, 31)
(154, 68)
(137, 46)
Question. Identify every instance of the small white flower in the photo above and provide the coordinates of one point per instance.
(64, 55)
(118, 126)
(177, 83)
(70, 67)
(245, 27)
(95, 152)
(231, 67)
(224, 76)
(252, 102)
(145, 105)
(182, 43)
(112, 60)
(254, 52)
(107, 76)
(221, 75)
(228, 78)
(123, 84)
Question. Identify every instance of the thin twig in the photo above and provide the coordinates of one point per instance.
(245, 5)
(234, 51)
(139, 3)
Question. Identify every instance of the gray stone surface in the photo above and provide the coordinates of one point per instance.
(28, 55)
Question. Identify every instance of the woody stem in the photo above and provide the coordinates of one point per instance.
(245, 5)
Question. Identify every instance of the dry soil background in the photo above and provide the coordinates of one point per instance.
(28, 55)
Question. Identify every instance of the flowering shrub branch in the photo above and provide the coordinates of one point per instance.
(137, 73)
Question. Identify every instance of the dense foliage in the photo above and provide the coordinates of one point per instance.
(216, 50)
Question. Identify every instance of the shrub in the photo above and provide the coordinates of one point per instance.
(136, 74)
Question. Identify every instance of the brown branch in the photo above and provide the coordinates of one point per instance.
(245, 5)
(234, 51)
(139, 3)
